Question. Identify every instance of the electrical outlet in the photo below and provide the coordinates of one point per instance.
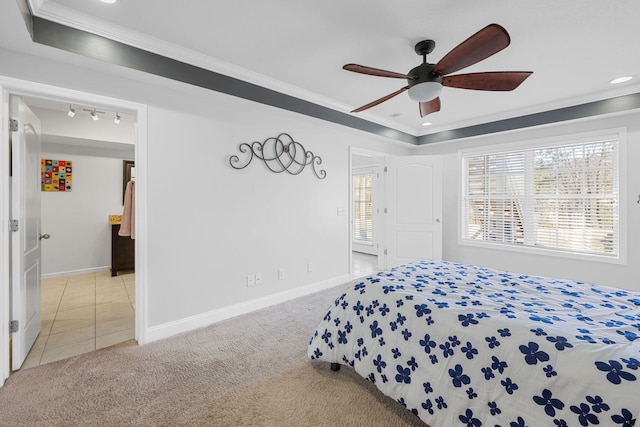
(309, 268)
(258, 279)
(281, 273)
(251, 280)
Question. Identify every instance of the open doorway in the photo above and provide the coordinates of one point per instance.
(136, 284)
(85, 152)
(367, 210)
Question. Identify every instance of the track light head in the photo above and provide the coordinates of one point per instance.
(117, 119)
(71, 112)
(94, 116)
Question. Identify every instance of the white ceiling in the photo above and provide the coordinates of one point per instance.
(574, 48)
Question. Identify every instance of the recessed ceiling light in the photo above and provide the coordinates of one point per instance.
(621, 80)
(109, 1)
(427, 124)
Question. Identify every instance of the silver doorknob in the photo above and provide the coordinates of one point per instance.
(43, 236)
(437, 219)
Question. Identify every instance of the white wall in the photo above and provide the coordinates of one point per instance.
(77, 220)
(623, 276)
(209, 226)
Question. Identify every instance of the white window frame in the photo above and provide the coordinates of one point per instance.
(618, 133)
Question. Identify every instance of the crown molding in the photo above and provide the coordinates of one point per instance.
(614, 105)
(74, 19)
(64, 28)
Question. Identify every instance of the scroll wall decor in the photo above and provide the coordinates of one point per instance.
(279, 154)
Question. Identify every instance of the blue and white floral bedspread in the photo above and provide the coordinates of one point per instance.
(462, 345)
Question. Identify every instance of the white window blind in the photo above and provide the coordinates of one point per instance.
(562, 197)
(362, 208)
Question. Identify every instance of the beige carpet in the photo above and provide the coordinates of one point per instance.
(248, 371)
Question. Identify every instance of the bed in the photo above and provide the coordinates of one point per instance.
(463, 345)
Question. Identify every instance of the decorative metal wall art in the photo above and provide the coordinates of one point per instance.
(279, 154)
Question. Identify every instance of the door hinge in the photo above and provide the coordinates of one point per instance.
(13, 125)
(385, 210)
(13, 225)
(385, 169)
(385, 251)
(14, 325)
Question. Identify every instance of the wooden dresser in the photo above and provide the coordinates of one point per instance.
(122, 250)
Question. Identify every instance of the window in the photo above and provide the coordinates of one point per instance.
(362, 208)
(562, 197)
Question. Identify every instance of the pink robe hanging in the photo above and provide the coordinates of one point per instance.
(128, 225)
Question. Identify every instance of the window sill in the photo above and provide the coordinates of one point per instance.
(620, 259)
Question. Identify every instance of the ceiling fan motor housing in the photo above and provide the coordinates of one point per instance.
(422, 73)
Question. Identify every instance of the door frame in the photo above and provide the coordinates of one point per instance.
(382, 262)
(11, 86)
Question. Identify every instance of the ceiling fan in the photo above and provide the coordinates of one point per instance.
(425, 81)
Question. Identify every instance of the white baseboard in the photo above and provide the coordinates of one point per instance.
(205, 319)
(75, 272)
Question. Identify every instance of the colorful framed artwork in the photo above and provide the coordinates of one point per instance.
(56, 175)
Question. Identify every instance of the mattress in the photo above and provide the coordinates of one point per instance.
(473, 346)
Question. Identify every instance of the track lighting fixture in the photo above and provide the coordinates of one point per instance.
(93, 112)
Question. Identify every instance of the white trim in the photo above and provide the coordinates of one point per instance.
(19, 87)
(75, 272)
(141, 221)
(187, 324)
(5, 237)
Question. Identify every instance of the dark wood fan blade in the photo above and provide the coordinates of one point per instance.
(362, 69)
(486, 42)
(380, 101)
(494, 81)
(429, 107)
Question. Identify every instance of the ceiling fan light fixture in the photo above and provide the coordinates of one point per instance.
(425, 91)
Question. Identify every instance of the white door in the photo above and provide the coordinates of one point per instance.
(25, 242)
(414, 209)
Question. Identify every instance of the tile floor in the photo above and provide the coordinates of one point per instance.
(83, 313)
(363, 264)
